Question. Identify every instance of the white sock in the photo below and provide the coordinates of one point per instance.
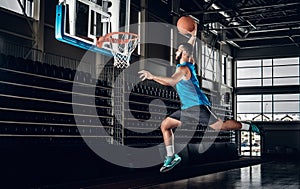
(170, 150)
(245, 126)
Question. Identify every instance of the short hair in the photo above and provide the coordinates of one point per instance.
(187, 47)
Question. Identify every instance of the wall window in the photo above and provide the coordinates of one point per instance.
(226, 70)
(215, 63)
(268, 72)
(14, 6)
(268, 107)
(210, 59)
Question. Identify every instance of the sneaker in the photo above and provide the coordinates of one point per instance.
(170, 163)
(253, 128)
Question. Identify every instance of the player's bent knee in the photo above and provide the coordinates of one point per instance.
(169, 123)
(163, 125)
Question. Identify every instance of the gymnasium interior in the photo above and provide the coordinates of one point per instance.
(69, 118)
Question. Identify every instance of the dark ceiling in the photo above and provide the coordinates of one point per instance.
(248, 23)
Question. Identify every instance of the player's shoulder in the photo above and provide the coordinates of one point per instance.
(183, 68)
(185, 64)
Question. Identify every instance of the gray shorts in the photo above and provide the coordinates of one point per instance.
(196, 114)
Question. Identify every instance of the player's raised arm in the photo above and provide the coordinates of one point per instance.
(192, 41)
(193, 34)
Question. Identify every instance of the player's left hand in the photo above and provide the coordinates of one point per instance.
(145, 75)
(194, 32)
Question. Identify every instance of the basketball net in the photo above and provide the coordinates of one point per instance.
(121, 45)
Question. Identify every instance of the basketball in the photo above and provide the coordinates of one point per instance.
(100, 41)
(185, 24)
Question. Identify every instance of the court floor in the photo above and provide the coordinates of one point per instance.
(266, 175)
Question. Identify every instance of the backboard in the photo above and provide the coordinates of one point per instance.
(81, 22)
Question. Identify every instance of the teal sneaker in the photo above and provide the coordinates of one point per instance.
(170, 163)
(254, 128)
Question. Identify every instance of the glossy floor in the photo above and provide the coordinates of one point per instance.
(271, 175)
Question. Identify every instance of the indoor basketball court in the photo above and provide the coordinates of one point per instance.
(86, 87)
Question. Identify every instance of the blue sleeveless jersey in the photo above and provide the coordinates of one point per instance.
(189, 91)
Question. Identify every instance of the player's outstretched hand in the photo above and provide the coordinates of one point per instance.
(194, 32)
(145, 75)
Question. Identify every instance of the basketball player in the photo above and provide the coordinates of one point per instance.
(193, 101)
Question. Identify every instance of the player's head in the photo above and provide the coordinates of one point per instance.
(184, 50)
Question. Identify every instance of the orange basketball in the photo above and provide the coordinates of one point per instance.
(100, 41)
(185, 24)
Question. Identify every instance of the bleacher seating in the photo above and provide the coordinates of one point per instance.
(38, 99)
(36, 102)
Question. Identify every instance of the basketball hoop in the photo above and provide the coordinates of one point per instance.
(121, 45)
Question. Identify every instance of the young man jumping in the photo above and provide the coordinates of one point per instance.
(194, 102)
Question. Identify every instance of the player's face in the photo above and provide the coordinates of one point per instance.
(178, 56)
(179, 53)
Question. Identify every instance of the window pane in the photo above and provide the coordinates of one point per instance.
(267, 97)
(249, 107)
(267, 72)
(208, 75)
(207, 84)
(14, 6)
(267, 62)
(286, 107)
(250, 116)
(267, 107)
(223, 69)
(229, 72)
(229, 81)
(267, 117)
(285, 61)
(286, 97)
(267, 82)
(248, 83)
(286, 71)
(286, 81)
(208, 65)
(11, 5)
(286, 117)
(249, 73)
(248, 98)
(246, 63)
(208, 51)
